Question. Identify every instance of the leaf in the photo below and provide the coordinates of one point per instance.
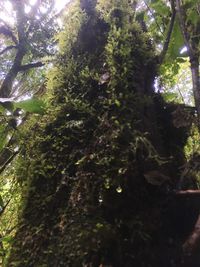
(31, 105)
(140, 16)
(160, 8)
(176, 42)
(181, 60)
(2, 109)
(117, 103)
(193, 16)
(6, 239)
(169, 96)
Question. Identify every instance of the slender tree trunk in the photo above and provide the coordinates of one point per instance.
(196, 85)
(7, 85)
(193, 53)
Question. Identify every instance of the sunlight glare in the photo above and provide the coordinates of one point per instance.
(32, 2)
(8, 6)
(27, 9)
(60, 4)
(6, 15)
(183, 50)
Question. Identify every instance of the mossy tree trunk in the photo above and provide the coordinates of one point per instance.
(106, 153)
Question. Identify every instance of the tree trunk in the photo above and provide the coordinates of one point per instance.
(193, 53)
(88, 202)
(196, 85)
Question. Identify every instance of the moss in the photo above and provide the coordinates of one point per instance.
(87, 199)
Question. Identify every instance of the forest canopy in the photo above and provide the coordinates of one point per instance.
(99, 109)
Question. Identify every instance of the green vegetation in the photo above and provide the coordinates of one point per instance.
(91, 162)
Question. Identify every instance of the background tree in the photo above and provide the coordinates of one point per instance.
(178, 22)
(24, 44)
(27, 30)
(25, 40)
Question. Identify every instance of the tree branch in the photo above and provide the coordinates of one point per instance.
(7, 49)
(188, 193)
(21, 19)
(4, 207)
(31, 65)
(7, 84)
(8, 161)
(8, 33)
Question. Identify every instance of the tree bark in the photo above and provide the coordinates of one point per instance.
(192, 244)
(88, 202)
(193, 240)
(188, 193)
(193, 52)
(196, 84)
(6, 87)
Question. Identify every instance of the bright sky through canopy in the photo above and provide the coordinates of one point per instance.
(59, 5)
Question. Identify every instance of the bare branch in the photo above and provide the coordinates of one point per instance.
(31, 66)
(8, 161)
(10, 47)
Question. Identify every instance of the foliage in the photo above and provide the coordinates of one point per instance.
(192, 149)
(26, 31)
(9, 212)
(174, 28)
(175, 82)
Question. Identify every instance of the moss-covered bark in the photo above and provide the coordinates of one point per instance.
(100, 163)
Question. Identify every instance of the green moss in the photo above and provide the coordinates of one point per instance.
(85, 160)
